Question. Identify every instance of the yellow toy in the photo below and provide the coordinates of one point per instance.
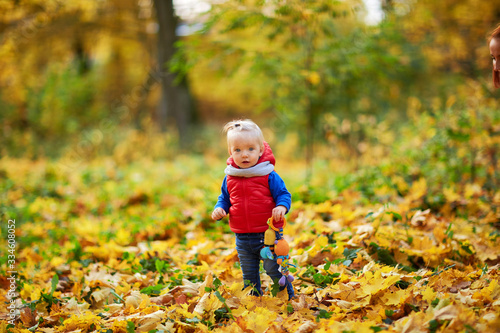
(267, 251)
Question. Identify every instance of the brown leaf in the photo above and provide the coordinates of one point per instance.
(182, 299)
(163, 299)
(232, 258)
(134, 299)
(420, 217)
(63, 284)
(447, 313)
(461, 285)
(319, 258)
(136, 198)
(28, 317)
(208, 258)
(150, 321)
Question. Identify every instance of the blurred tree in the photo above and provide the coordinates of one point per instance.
(66, 66)
(305, 59)
(55, 87)
(175, 97)
(451, 33)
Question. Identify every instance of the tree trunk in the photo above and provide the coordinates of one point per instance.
(81, 56)
(176, 103)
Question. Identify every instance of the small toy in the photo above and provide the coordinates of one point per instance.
(267, 252)
(275, 243)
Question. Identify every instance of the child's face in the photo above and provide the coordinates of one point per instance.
(245, 149)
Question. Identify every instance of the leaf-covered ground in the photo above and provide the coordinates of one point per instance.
(123, 248)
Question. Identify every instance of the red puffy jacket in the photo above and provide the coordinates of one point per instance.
(251, 200)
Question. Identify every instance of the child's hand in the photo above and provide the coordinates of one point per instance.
(218, 214)
(279, 213)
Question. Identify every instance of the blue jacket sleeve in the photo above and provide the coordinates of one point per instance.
(223, 200)
(279, 192)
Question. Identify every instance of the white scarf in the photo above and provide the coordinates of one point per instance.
(261, 169)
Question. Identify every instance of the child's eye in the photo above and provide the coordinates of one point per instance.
(237, 150)
(252, 149)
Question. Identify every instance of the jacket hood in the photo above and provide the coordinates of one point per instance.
(267, 156)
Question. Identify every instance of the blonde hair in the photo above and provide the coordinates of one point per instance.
(244, 126)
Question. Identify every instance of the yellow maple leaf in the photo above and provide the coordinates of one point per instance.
(376, 283)
(417, 190)
(490, 293)
(207, 305)
(450, 195)
(395, 297)
(236, 289)
(57, 261)
(119, 326)
(123, 236)
(82, 322)
(260, 319)
(233, 328)
(30, 292)
(347, 291)
(319, 244)
(123, 288)
(429, 295)
(3, 326)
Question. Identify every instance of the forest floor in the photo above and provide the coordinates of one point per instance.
(130, 248)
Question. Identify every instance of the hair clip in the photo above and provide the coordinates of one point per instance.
(237, 125)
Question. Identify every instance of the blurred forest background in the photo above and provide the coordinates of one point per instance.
(82, 79)
(382, 117)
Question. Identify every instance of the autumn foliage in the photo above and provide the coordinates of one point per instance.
(387, 136)
(398, 242)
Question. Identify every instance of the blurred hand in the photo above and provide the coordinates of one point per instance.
(218, 213)
(279, 213)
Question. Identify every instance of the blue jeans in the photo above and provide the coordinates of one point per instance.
(248, 247)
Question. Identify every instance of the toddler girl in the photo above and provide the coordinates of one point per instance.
(252, 192)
